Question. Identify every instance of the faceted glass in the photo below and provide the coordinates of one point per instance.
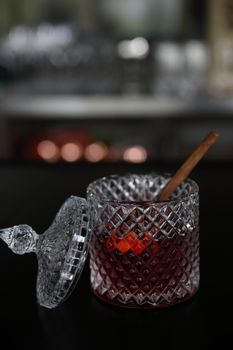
(143, 253)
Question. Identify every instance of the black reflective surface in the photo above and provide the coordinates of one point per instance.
(32, 194)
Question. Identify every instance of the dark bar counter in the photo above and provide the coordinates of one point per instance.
(32, 194)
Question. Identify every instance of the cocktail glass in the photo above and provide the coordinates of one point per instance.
(143, 253)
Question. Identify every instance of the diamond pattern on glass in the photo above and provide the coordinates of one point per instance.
(125, 271)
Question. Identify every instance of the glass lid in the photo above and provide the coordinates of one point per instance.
(61, 250)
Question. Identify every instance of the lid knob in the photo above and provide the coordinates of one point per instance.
(20, 239)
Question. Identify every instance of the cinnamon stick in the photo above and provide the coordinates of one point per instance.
(183, 172)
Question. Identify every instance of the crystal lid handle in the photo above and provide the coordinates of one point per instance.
(20, 239)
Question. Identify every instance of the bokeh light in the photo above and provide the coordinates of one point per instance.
(136, 48)
(71, 152)
(48, 151)
(135, 154)
(95, 152)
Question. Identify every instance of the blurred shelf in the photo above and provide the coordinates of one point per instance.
(107, 107)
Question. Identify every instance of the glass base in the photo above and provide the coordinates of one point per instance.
(145, 306)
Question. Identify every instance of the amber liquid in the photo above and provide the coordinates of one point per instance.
(162, 274)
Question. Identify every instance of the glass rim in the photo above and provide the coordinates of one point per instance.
(194, 190)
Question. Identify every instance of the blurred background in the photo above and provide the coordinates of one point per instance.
(114, 81)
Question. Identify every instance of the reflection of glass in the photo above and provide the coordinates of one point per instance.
(60, 58)
(143, 254)
(180, 68)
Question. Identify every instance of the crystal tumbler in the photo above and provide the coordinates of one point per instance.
(143, 253)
